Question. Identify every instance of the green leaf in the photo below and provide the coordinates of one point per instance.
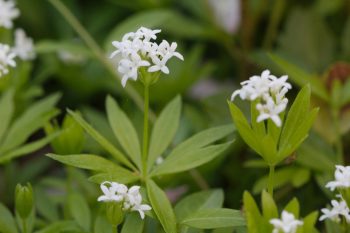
(50, 46)
(80, 210)
(7, 222)
(204, 138)
(293, 207)
(309, 222)
(178, 162)
(102, 225)
(268, 149)
(102, 140)
(269, 207)
(27, 148)
(252, 213)
(86, 161)
(244, 128)
(30, 121)
(196, 201)
(164, 130)
(118, 175)
(61, 226)
(133, 223)
(6, 111)
(214, 218)
(123, 130)
(301, 77)
(258, 127)
(162, 207)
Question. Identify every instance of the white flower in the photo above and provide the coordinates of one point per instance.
(8, 12)
(6, 59)
(138, 50)
(24, 47)
(131, 199)
(227, 14)
(270, 91)
(342, 178)
(338, 209)
(287, 224)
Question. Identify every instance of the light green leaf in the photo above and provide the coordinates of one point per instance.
(214, 218)
(258, 127)
(252, 213)
(293, 207)
(86, 161)
(118, 175)
(133, 223)
(196, 201)
(269, 207)
(123, 130)
(50, 46)
(102, 225)
(164, 130)
(7, 222)
(244, 128)
(301, 77)
(204, 138)
(268, 149)
(301, 177)
(79, 210)
(102, 140)
(61, 226)
(162, 207)
(309, 222)
(178, 162)
(6, 111)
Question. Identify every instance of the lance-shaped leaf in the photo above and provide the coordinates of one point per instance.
(214, 218)
(269, 207)
(7, 222)
(6, 111)
(162, 207)
(164, 130)
(178, 162)
(123, 130)
(253, 216)
(80, 210)
(61, 226)
(118, 175)
(102, 140)
(133, 223)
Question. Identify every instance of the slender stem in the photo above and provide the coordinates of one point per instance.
(338, 140)
(198, 178)
(274, 21)
(271, 179)
(24, 225)
(145, 130)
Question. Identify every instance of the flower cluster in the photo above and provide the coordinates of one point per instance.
(137, 50)
(6, 59)
(270, 91)
(342, 178)
(24, 47)
(8, 12)
(287, 223)
(339, 208)
(130, 199)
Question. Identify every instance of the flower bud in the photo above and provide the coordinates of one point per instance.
(114, 213)
(24, 200)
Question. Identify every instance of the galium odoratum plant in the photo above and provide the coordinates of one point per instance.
(270, 133)
(144, 61)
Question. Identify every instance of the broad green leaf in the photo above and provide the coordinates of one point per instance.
(296, 115)
(86, 161)
(293, 207)
(133, 223)
(164, 130)
(301, 77)
(27, 148)
(214, 218)
(6, 111)
(196, 201)
(269, 207)
(123, 130)
(101, 140)
(178, 162)
(61, 226)
(252, 213)
(118, 175)
(80, 210)
(162, 207)
(7, 222)
(102, 225)
(204, 138)
(244, 128)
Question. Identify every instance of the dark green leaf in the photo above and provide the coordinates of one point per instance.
(80, 210)
(7, 222)
(118, 175)
(6, 111)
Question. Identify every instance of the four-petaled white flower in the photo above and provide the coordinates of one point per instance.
(8, 12)
(338, 209)
(342, 178)
(269, 91)
(138, 50)
(6, 59)
(24, 47)
(287, 223)
(130, 199)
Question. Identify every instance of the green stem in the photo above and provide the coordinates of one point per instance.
(145, 129)
(338, 140)
(24, 225)
(271, 179)
(274, 21)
